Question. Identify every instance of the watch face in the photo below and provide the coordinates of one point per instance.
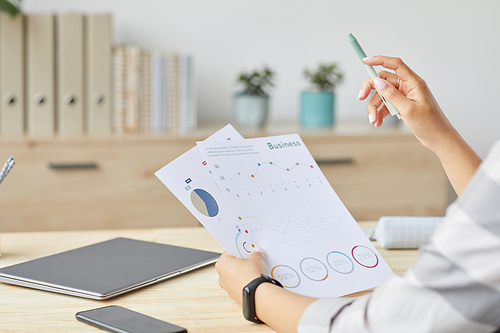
(247, 312)
(248, 302)
(248, 297)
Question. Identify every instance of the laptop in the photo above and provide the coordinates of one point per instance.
(107, 269)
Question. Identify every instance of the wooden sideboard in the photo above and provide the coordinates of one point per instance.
(108, 182)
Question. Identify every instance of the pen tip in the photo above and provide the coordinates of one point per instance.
(351, 37)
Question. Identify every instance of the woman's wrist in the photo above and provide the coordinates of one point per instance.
(280, 308)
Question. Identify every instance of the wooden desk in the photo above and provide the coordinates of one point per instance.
(194, 300)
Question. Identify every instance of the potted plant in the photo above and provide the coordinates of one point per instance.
(12, 7)
(251, 106)
(317, 106)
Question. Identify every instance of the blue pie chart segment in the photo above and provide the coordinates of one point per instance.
(204, 202)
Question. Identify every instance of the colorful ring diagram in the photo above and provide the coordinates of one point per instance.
(364, 256)
(313, 269)
(340, 262)
(286, 275)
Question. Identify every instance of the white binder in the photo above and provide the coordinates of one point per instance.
(69, 74)
(40, 74)
(98, 73)
(11, 75)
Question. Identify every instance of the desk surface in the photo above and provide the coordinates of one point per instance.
(194, 300)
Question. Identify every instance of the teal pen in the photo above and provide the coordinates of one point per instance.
(373, 74)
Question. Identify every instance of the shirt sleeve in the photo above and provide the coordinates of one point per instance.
(453, 287)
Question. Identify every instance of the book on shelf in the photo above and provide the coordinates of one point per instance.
(119, 73)
(154, 91)
(145, 107)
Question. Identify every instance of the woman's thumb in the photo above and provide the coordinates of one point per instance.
(258, 253)
(391, 94)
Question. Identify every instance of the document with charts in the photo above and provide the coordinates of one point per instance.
(283, 203)
(188, 178)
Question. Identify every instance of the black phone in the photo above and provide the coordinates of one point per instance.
(115, 318)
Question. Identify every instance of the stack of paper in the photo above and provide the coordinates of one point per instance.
(270, 193)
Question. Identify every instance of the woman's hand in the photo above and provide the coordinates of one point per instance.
(235, 274)
(422, 115)
(277, 307)
(413, 99)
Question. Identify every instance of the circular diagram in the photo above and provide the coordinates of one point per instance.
(286, 275)
(340, 262)
(364, 256)
(314, 269)
(204, 202)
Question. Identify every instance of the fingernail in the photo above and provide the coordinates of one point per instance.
(370, 118)
(259, 249)
(380, 84)
(360, 93)
(367, 58)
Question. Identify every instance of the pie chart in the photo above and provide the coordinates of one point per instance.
(204, 202)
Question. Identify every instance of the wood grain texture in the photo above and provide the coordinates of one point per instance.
(194, 300)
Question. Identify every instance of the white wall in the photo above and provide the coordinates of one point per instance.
(454, 45)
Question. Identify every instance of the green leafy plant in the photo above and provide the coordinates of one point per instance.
(326, 77)
(12, 7)
(257, 82)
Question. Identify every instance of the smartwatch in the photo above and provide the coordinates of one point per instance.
(248, 299)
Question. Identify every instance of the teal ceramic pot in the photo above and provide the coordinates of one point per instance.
(250, 110)
(317, 108)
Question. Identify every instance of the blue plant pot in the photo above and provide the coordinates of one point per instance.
(250, 110)
(317, 108)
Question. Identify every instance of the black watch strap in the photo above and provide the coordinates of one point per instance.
(248, 299)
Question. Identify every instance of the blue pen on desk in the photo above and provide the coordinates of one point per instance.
(6, 168)
(373, 74)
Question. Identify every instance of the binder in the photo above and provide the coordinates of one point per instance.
(11, 75)
(40, 74)
(98, 73)
(69, 74)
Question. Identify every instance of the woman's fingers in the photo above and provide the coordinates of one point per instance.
(393, 95)
(368, 84)
(396, 64)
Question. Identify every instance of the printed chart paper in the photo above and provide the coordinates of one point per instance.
(189, 179)
(284, 204)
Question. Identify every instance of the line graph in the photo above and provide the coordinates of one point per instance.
(292, 230)
(261, 164)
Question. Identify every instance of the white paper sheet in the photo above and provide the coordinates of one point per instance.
(284, 204)
(189, 179)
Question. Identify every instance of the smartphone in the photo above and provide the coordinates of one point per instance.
(121, 320)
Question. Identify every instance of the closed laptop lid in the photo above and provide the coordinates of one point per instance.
(106, 269)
